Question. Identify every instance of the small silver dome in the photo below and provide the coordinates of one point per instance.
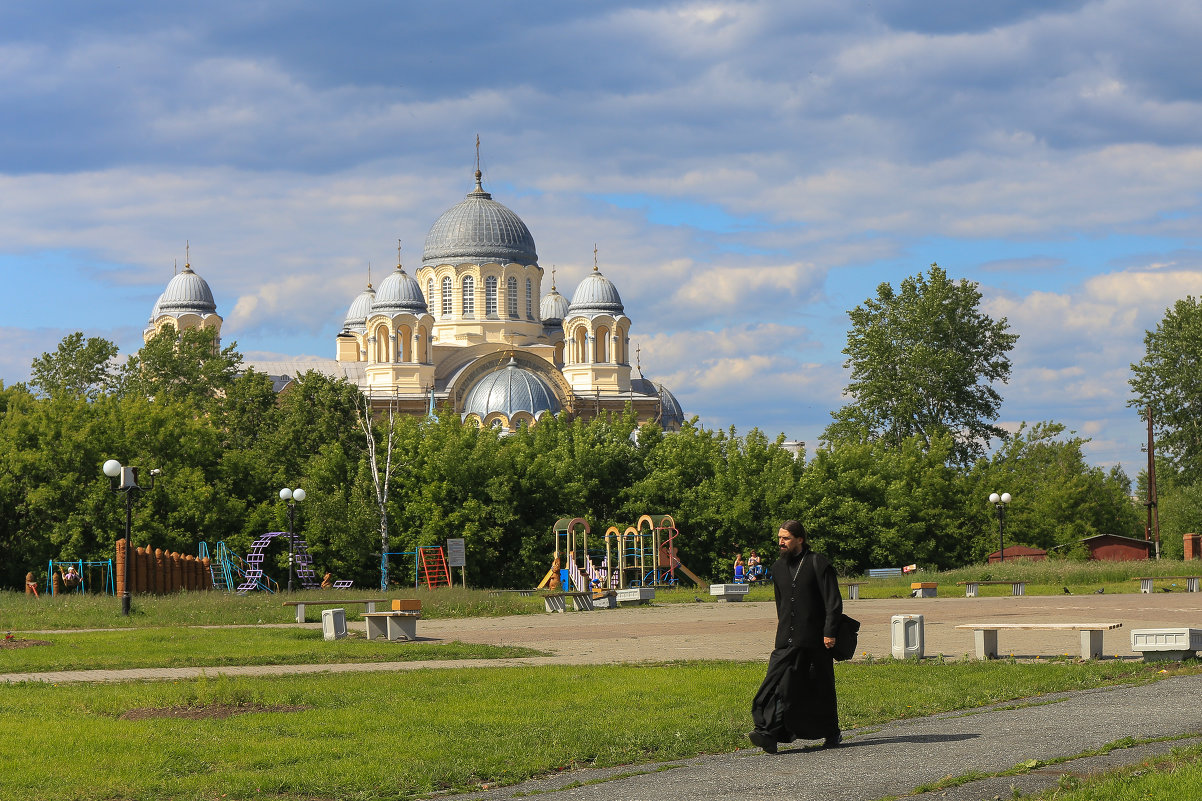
(596, 295)
(553, 307)
(510, 390)
(187, 293)
(478, 230)
(671, 416)
(356, 315)
(399, 293)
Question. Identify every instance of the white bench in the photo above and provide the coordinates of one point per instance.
(985, 635)
(391, 625)
(1191, 582)
(300, 605)
(557, 601)
(853, 590)
(729, 592)
(971, 587)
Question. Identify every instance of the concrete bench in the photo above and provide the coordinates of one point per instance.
(971, 587)
(557, 601)
(636, 595)
(300, 605)
(985, 635)
(495, 593)
(729, 592)
(853, 590)
(1160, 644)
(1191, 582)
(924, 589)
(605, 599)
(399, 623)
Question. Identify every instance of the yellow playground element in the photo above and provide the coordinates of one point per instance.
(644, 555)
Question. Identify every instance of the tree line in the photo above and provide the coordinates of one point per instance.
(901, 476)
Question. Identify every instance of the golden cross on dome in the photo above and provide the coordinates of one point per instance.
(594, 257)
(187, 255)
(398, 254)
(638, 349)
(552, 277)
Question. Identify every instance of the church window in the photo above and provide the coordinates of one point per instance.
(469, 296)
(430, 293)
(602, 342)
(447, 297)
(529, 298)
(490, 296)
(511, 291)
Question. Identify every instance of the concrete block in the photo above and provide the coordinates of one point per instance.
(908, 637)
(1172, 643)
(636, 595)
(729, 592)
(333, 623)
(924, 589)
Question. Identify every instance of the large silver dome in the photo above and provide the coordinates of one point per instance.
(356, 315)
(510, 390)
(187, 293)
(596, 295)
(671, 416)
(479, 230)
(399, 293)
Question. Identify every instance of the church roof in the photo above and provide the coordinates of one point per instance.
(399, 293)
(186, 293)
(478, 230)
(510, 390)
(596, 295)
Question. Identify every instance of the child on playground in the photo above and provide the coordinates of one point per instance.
(754, 571)
(740, 569)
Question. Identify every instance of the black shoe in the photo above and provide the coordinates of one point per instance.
(833, 741)
(763, 740)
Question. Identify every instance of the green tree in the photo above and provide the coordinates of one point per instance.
(1168, 382)
(923, 362)
(78, 367)
(190, 366)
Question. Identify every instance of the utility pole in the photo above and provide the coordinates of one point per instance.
(1152, 525)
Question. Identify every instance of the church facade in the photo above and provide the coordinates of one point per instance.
(471, 330)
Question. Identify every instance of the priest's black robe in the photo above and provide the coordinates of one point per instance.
(797, 698)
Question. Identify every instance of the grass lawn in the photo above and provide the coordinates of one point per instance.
(456, 729)
(1170, 778)
(186, 646)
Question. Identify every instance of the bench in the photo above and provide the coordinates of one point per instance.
(1159, 644)
(924, 589)
(557, 601)
(400, 623)
(636, 595)
(853, 590)
(985, 635)
(884, 572)
(497, 593)
(300, 605)
(1191, 582)
(729, 592)
(970, 587)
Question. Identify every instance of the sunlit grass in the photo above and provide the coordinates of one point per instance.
(455, 729)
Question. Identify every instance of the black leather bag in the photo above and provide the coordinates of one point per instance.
(847, 636)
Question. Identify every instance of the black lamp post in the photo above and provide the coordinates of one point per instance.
(293, 497)
(125, 480)
(999, 502)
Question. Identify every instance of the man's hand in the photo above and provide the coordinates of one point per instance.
(829, 642)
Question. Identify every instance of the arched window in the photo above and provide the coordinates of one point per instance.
(382, 342)
(529, 299)
(430, 294)
(490, 296)
(580, 352)
(602, 343)
(404, 337)
(447, 297)
(469, 296)
(511, 299)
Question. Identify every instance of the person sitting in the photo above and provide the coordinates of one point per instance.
(740, 569)
(754, 569)
(71, 578)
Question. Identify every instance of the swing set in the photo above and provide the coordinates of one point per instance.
(72, 579)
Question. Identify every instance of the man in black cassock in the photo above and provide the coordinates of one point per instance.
(797, 698)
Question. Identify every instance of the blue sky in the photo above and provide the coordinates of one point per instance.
(748, 171)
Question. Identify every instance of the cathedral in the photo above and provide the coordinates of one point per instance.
(470, 330)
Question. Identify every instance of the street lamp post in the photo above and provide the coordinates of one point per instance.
(124, 480)
(1000, 502)
(293, 497)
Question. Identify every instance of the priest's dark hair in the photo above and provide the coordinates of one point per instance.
(795, 528)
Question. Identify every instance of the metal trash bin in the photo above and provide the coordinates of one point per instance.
(907, 636)
(333, 623)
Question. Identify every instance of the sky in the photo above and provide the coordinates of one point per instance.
(748, 172)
